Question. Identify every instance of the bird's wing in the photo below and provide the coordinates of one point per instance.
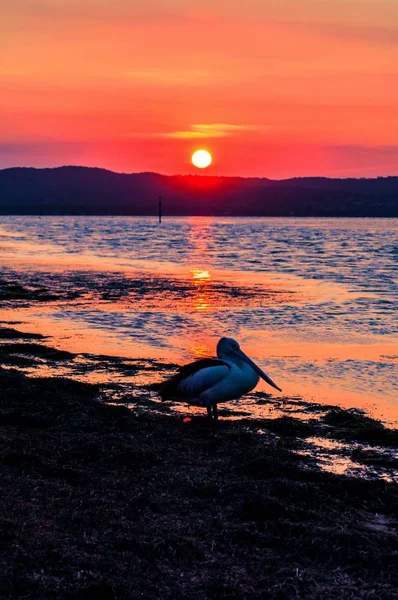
(193, 379)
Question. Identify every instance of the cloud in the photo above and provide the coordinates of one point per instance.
(213, 130)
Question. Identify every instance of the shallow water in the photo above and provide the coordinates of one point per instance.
(312, 300)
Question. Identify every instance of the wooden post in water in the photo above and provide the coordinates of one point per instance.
(160, 209)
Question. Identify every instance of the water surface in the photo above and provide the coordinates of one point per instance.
(312, 300)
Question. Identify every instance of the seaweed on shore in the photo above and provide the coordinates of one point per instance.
(31, 290)
(10, 291)
(9, 333)
(35, 350)
(102, 502)
(353, 424)
(372, 457)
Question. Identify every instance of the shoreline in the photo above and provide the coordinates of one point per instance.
(106, 501)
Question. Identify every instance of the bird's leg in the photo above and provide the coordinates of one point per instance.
(215, 412)
(209, 414)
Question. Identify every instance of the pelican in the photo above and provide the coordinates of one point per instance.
(209, 381)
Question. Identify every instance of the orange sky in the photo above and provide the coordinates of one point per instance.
(273, 88)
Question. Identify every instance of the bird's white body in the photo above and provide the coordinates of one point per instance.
(210, 381)
(214, 385)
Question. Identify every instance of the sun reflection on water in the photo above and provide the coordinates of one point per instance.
(202, 350)
(199, 239)
(201, 275)
(201, 298)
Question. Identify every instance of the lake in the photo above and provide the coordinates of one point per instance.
(313, 301)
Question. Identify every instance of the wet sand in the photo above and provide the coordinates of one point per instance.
(109, 493)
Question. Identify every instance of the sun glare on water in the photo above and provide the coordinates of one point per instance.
(201, 159)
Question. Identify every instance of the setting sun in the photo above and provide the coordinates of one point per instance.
(201, 159)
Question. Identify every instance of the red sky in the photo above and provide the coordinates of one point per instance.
(273, 88)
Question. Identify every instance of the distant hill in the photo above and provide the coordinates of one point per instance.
(82, 190)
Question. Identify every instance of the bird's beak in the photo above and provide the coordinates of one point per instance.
(248, 360)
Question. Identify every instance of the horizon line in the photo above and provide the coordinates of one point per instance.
(199, 175)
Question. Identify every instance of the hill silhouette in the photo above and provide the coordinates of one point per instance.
(92, 191)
